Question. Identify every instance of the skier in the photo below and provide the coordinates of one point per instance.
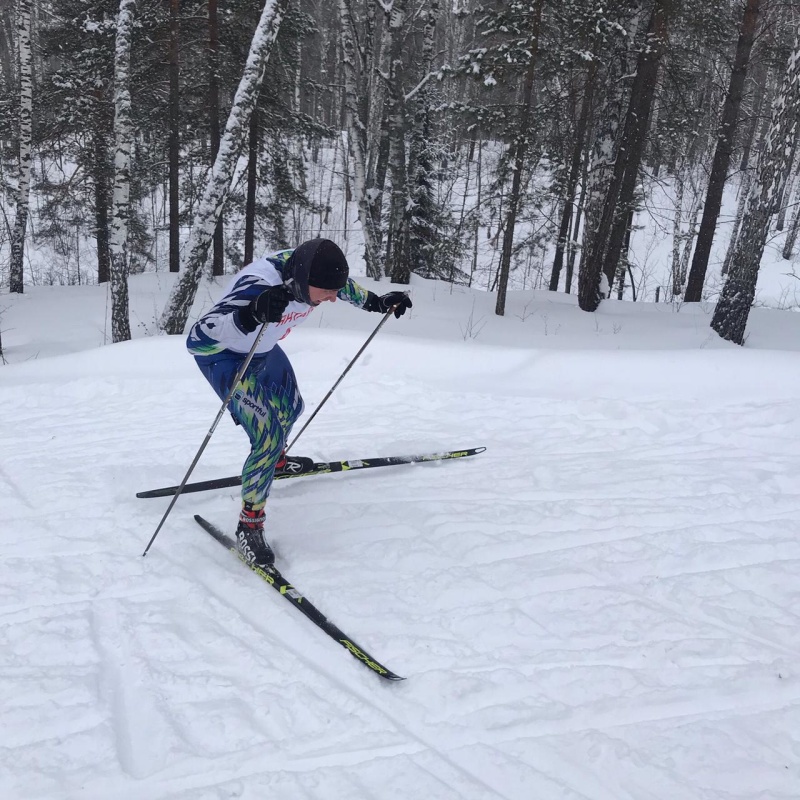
(279, 290)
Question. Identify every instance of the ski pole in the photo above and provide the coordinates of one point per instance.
(234, 385)
(347, 369)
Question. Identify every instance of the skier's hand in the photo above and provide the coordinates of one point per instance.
(270, 304)
(399, 301)
(267, 307)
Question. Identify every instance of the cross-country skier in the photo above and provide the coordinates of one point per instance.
(279, 290)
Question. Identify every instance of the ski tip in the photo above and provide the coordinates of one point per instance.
(149, 493)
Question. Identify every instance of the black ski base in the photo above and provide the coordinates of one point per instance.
(274, 578)
(320, 468)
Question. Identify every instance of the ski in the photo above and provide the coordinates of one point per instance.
(320, 468)
(274, 578)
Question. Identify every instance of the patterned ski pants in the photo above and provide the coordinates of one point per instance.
(266, 404)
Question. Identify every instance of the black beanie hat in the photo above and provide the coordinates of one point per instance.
(319, 263)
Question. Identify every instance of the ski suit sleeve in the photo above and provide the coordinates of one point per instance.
(354, 294)
(221, 328)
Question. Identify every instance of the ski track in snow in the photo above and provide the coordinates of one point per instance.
(603, 606)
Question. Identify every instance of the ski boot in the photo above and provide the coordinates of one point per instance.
(293, 465)
(253, 548)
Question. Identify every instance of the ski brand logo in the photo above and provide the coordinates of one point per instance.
(245, 551)
(362, 656)
(246, 401)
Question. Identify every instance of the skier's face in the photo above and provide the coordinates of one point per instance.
(318, 296)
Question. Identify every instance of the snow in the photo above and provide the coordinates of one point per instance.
(602, 606)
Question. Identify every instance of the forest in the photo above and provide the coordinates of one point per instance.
(499, 145)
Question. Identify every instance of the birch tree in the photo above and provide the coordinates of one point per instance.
(217, 187)
(213, 125)
(123, 132)
(25, 131)
(397, 256)
(791, 236)
(174, 136)
(357, 138)
(733, 307)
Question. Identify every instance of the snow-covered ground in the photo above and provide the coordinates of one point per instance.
(602, 606)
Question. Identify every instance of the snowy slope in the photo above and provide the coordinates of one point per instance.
(602, 606)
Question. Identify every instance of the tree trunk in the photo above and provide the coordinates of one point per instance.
(397, 255)
(520, 147)
(102, 189)
(600, 167)
(574, 174)
(123, 130)
(252, 182)
(375, 66)
(791, 237)
(16, 271)
(572, 249)
(744, 189)
(218, 184)
(677, 233)
(174, 138)
(218, 261)
(606, 245)
(357, 141)
(8, 78)
(722, 154)
(733, 307)
(788, 190)
(634, 135)
(747, 173)
(762, 91)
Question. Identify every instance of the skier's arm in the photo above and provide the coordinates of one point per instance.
(369, 301)
(231, 321)
(353, 293)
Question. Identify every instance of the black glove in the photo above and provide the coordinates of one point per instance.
(385, 302)
(267, 307)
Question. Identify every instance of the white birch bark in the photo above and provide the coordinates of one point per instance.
(376, 71)
(25, 130)
(733, 308)
(791, 236)
(120, 206)
(217, 188)
(397, 258)
(357, 139)
(744, 192)
(677, 232)
(789, 193)
(689, 237)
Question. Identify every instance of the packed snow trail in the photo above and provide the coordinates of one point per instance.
(602, 606)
